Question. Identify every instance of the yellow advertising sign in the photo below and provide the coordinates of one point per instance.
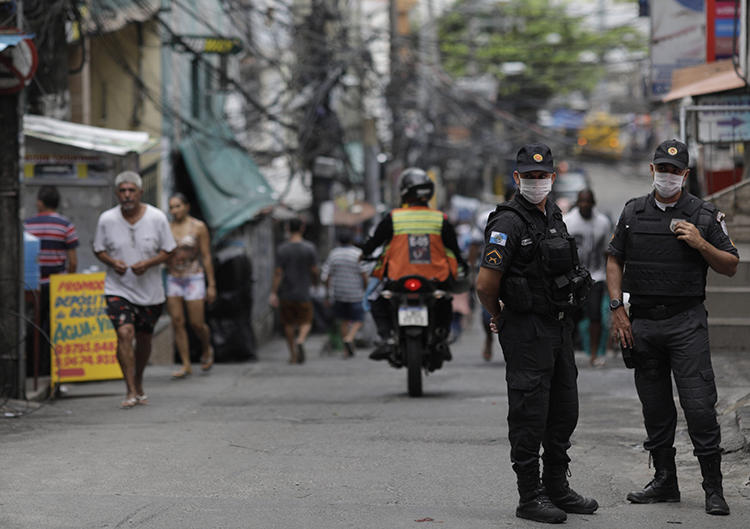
(84, 343)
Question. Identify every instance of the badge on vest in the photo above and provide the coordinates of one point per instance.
(419, 249)
(673, 224)
(498, 237)
(526, 242)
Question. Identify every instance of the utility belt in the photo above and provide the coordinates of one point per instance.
(546, 314)
(662, 312)
(551, 312)
(518, 297)
(565, 294)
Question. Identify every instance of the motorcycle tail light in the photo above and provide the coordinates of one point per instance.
(412, 284)
(386, 294)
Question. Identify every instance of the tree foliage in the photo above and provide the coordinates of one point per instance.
(534, 48)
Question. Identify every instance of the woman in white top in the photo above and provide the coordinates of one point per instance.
(190, 283)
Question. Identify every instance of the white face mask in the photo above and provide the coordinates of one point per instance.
(667, 184)
(535, 190)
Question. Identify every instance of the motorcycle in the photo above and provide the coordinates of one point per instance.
(412, 300)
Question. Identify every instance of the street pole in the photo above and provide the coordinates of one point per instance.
(10, 260)
(367, 124)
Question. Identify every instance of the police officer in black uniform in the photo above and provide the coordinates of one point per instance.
(661, 250)
(531, 263)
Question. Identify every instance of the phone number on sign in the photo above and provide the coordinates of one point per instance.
(86, 347)
(90, 360)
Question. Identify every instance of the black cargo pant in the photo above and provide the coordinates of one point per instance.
(542, 391)
(679, 346)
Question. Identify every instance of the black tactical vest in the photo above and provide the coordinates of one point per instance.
(656, 262)
(544, 277)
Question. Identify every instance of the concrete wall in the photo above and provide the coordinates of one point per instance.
(734, 201)
(117, 61)
(119, 87)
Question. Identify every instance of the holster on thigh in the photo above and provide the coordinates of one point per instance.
(650, 367)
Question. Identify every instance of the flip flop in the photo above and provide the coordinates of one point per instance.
(142, 399)
(182, 373)
(128, 403)
(207, 364)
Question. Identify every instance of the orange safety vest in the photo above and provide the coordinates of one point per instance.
(416, 247)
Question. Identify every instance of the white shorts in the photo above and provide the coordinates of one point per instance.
(189, 288)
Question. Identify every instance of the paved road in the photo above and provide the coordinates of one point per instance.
(616, 182)
(331, 444)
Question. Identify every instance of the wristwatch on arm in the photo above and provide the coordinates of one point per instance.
(615, 304)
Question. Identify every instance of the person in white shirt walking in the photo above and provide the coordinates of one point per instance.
(133, 239)
(591, 230)
(345, 277)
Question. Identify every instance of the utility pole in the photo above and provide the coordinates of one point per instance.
(399, 77)
(10, 260)
(427, 63)
(12, 370)
(367, 124)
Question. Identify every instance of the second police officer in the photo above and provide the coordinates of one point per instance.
(661, 250)
(530, 262)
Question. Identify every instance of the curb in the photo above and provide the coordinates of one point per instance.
(735, 425)
(742, 414)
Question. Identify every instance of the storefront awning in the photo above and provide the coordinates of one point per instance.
(230, 188)
(8, 40)
(118, 142)
(703, 79)
(106, 16)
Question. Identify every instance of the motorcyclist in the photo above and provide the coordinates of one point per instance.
(421, 241)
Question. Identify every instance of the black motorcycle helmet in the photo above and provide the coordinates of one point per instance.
(416, 186)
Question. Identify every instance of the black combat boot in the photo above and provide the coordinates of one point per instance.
(711, 470)
(555, 480)
(535, 504)
(663, 488)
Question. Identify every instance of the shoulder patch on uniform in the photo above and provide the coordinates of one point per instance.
(498, 237)
(493, 257)
(720, 218)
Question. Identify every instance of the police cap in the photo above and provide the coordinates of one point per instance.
(673, 152)
(535, 157)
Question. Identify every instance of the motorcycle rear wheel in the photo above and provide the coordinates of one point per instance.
(414, 365)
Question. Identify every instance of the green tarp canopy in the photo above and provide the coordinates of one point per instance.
(230, 188)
